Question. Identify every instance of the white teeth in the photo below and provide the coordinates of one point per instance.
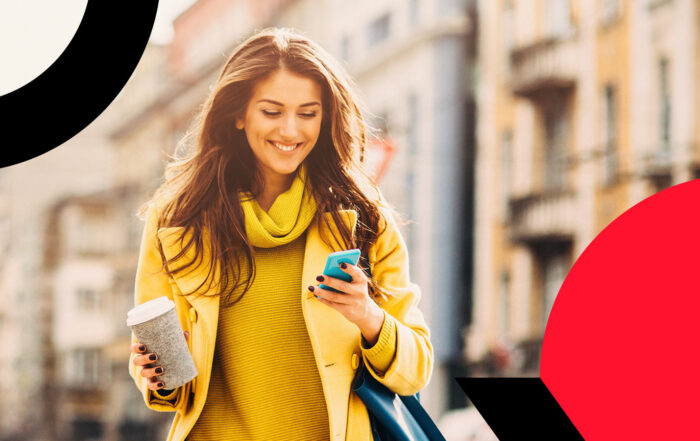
(285, 148)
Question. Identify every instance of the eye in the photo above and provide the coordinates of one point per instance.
(308, 115)
(271, 113)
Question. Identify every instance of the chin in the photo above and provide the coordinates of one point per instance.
(287, 170)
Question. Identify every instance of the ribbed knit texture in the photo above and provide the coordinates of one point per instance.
(382, 354)
(265, 383)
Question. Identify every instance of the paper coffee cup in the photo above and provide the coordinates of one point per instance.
(155, 324)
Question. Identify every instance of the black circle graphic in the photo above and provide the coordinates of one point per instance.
(81, 83)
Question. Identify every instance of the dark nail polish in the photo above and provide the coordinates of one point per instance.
(311, 288)
(142, 348)
(152, 357)
(160, 385)
(343, 265)
(319, 278)
(159, 370)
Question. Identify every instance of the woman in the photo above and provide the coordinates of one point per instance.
(238, 236)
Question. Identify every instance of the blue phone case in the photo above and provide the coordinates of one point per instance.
(333, 265)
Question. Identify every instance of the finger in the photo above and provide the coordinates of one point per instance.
(187, 335)
(138, 348)
(355, 272)
(340, 285)
(155, 384)
(324, 301)
(152, 372)
(142, 360)
(340, 298)
(333, 305)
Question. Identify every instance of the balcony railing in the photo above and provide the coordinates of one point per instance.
(542, 217)
(657, 164)
(550, 63)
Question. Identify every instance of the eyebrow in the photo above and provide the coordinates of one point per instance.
(277, 103)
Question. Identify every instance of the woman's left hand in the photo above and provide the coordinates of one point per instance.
(353, 302)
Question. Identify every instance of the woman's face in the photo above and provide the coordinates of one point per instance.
(282, 122)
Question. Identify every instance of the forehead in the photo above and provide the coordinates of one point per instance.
(287, 88)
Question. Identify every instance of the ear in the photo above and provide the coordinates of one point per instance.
(239, 123)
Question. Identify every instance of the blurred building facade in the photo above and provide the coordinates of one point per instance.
(70, 238)
(90, 269)
(27, 191)
(585, 108)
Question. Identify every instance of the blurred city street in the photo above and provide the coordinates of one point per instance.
(509, 133)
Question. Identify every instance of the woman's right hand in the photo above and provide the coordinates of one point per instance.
(151, 369)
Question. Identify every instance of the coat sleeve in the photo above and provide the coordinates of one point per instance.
(412, 364)
(151, 282)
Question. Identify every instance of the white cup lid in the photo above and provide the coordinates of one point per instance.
(149, 310)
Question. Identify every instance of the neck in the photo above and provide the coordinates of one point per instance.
(273, 187)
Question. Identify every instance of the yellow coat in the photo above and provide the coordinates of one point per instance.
(335, 340)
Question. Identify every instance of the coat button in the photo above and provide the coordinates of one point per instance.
(355, 361)
(193, 315)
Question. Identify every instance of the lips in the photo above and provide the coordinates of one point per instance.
(284, 147)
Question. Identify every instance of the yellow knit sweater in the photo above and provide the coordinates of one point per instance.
(251, 397)
(265, 383)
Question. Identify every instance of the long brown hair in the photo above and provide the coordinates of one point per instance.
(201, 191)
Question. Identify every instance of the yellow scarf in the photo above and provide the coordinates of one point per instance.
(287, 218)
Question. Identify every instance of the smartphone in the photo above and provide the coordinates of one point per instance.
(333, 265)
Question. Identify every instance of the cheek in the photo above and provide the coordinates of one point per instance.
(313, 130)
(258, 127)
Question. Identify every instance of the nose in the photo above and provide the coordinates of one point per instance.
(288, 128)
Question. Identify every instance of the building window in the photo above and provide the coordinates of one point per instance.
(506, 170)
(87, 299)
(558, 19)
(86, 429)
(610, 10)
(664, 106)
(379, 30)
(504, 302)
(556, 134)
(662, 182)
(555, 266)
(83, 367)
(413, 11)
(508, 32)
(653, 4)
(610, 160)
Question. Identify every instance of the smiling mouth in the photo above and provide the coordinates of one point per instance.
(284, 147)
